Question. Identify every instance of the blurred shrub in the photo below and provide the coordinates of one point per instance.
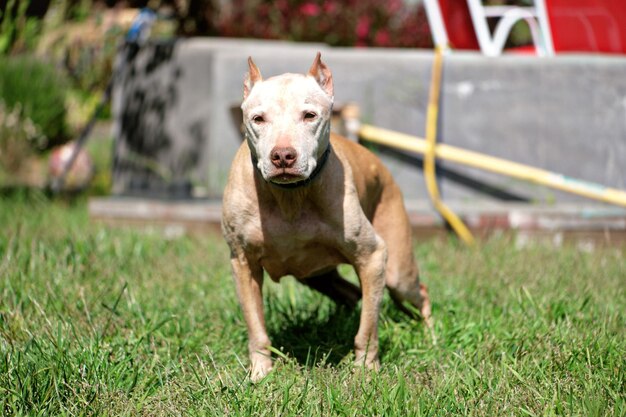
(17, 136)
(195, 17)
(335, 22)
(38, 91)
(20, 25)
(88, 54)
(85, 50)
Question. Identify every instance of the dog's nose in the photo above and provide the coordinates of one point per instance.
(283, 157)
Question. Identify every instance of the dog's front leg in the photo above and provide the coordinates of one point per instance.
(370, 267)
(249, 283)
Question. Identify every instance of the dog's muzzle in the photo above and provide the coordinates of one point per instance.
(284, 158)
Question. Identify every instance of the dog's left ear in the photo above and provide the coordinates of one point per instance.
(322, 75)
(252, 77)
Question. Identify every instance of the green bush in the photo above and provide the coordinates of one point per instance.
(19, 29)
(39, 90)
(16, 136)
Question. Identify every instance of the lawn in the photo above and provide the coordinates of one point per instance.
(99, 321)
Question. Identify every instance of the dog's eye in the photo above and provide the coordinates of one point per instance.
(309, 116)
(258, 119)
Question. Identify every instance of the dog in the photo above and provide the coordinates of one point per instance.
(301, 200)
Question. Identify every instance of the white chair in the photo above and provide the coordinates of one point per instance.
(493, 44)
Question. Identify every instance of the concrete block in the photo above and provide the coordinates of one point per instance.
(566, 114)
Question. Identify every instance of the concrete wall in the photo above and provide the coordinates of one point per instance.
(566, 114)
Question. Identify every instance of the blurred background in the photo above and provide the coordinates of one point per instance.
(140, 99)
(56, 59)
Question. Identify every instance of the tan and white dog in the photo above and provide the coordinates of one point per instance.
(301, 200)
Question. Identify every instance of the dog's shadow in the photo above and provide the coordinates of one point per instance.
(321, 335)
(310, 328)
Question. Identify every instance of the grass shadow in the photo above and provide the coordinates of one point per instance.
(323, 335)
(21, 192)
(315, 331)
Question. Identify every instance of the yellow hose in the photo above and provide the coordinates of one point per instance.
(501, 166)
(430, 176)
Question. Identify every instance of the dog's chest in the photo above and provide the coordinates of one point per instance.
(300, 247)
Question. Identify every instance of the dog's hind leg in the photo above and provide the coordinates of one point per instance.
(336, 287)
(401, 276)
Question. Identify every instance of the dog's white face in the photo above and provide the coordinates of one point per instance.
(287, 121)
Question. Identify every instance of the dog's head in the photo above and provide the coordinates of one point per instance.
(287, 121)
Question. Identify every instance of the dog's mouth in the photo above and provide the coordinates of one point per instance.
(285, 176)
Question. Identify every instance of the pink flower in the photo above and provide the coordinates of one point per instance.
(330, 7)
(382, 38)
(363, 27)
(310, 9)
(394, 6)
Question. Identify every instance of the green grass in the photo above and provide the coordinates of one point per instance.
(97, 321)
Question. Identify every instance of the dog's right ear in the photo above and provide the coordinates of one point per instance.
(252, 77)
(322, 75)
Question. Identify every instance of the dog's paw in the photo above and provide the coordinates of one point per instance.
(259, 369)
(367, 361)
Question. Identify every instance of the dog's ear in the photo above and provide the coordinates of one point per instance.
(322, 75)
(252, 77)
